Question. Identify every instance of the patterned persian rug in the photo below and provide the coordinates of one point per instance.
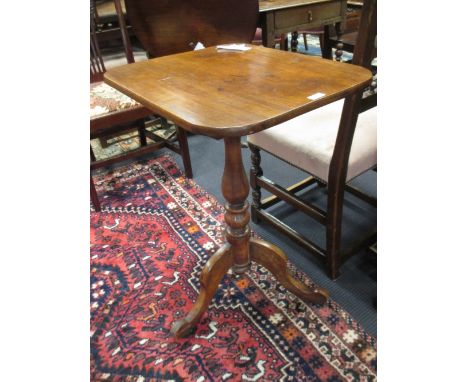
(120, 143)
(148, 246)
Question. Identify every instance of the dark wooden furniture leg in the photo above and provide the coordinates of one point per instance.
(255, 172)
(294, 36)
(240, 247)
(94, 196)
(141, 132)
(337, 181)
(339, 44)
(326, 48)
(184, 148)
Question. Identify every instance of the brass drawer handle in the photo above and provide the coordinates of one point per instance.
(310, 16)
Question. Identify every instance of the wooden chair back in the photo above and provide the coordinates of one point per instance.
(362, 55)
(96, 60)
(367, 34)
(166, 27)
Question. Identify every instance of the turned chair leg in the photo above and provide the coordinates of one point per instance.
(255, 171)
(339, 44)
(294, 36)
(184, 151)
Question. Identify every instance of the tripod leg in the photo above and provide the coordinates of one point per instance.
(214, 270)
(275, 260)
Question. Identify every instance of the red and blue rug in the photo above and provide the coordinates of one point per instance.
(148, 246)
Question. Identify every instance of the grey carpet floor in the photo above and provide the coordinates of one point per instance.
(356, 287)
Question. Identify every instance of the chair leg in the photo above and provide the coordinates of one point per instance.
(333, 229)
(141, 132)
(184, 151)
(164, 123)
(321, 41)
(282, 40)
(93, 157)
(255, 171)
(94, 196)
(326, 43)
(103, 142)
(305, 41)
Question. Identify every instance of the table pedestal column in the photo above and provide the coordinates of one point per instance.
(240, 248)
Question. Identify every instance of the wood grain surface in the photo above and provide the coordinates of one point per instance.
(224, 93)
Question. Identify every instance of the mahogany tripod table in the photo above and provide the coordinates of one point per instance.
(229, 94)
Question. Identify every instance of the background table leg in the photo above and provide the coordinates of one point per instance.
(339, 44)
(294, 36)
(326, 48)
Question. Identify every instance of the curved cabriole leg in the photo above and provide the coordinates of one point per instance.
(275, 260)
(214, 270)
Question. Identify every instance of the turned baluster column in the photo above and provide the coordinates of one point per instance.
(294, 42)
(339, 44)
(255, 172)
(235, 188)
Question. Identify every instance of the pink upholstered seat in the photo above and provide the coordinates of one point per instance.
(308, 141)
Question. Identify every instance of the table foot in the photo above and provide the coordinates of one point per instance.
(214, 270)
(275, 260)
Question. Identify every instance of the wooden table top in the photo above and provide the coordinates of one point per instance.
(226, 93)
(270, 5)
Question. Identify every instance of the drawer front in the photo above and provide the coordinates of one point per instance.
(307, 14)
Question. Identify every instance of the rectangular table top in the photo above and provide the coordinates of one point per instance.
(232, 93)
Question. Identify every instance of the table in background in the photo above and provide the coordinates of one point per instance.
(284, 16)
